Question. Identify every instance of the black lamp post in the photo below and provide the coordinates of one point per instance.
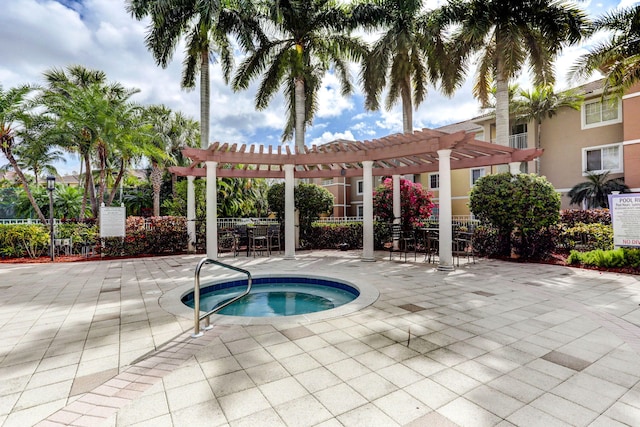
(51, 185)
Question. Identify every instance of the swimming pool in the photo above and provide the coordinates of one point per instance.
(276, 296)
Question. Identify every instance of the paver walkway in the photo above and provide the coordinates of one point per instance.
(492, 343)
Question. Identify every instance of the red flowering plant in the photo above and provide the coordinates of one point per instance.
(415, 203)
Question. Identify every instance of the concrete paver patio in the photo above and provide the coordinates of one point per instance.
(489, 344)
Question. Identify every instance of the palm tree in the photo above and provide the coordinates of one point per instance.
(542, 102)
(159, 121)
(183, 132)
(308, 39)
(594, 192)
(85, 108)
(618, 58)
(507, 35)
(408, 55)
(206, 26)
(13, 118)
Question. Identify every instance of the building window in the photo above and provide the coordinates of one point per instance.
(360, 211)
(601, 159)
(434, 181)
(601, 113)
(327, 181)
(359, 188)
(476, 174)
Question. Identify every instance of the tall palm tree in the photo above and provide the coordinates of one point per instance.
(507, 35)
(206, 26)
(307, 38)
(618, 58)
(85, 108)
(158, 118)
(183, 132)
(595, 190)
(408, 55)
(542, 102)
(13, 117)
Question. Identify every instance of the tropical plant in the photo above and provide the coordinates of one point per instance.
(542, 102)
(90, 116)
(309, 37)
(415, 203)
(594, 192)
(519, 206)
(13, 118)
(408, 55)
(206, 26)
(617, 58)
(310, 200)
(507, 35)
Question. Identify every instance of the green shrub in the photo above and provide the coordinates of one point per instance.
(19, 240)
(615, 258)
(520, 207)
(165, 235)
(571, 217)
(587, 237)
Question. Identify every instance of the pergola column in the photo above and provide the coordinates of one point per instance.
(212, 210)
(289, 213)
(367, 211)
(191, 214)
(444, 195)
(514, 168)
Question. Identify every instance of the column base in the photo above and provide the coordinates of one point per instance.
(444, 267)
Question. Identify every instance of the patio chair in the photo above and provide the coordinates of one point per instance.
(274, 238)
(402, 241)
(241, 241)
(258, 239)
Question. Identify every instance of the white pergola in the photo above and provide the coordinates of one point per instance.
(399, 154)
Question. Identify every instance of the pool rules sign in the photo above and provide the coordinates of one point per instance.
(625, 217)
(112, 221)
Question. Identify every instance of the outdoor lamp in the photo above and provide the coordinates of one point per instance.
(51, 185)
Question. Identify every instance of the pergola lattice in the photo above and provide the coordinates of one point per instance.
(399, 154)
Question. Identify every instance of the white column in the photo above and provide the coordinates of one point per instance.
(514, 168)
(289, 213)
(212, 210)
(191, 214)
(367, 211)
(444, 196)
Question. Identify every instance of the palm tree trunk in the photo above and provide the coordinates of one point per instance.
(90, 188)
(502, 103)
(116, 183)
(407, 106)
(538, 144)
(205, 93)
(300, 101)
(6, 149)
(156, 182)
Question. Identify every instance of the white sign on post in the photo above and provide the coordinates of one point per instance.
(625, 218)
(112, 221)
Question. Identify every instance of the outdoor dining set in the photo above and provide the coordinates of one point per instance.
(252, 240)
(427, 240)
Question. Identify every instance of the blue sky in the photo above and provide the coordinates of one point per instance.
(36, 35)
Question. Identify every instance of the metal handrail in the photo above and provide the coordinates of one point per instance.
(196, 295)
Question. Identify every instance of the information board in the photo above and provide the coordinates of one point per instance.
(112, 221)
(625, 217)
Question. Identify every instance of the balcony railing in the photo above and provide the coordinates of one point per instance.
(518, 141)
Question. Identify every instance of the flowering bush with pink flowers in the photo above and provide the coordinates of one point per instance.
(415, 203)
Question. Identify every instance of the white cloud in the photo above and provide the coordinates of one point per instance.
(330, 136)
(330, 102)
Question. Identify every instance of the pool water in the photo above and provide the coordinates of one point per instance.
(270, 297)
